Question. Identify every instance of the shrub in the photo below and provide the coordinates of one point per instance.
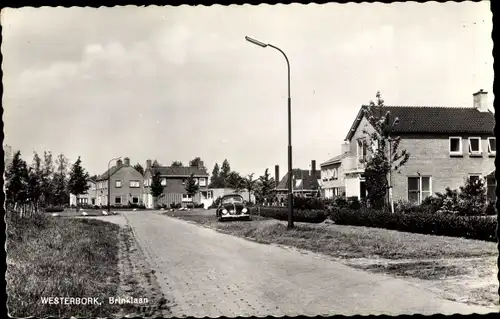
(308, 203)
(490, 208)
(472, 197)
(202, 205)
(472, 227)
(54, 209)
(174, 205)
(299, 215)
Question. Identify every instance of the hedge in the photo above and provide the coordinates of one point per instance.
(472, 227)
(299, 215)
(57, 209)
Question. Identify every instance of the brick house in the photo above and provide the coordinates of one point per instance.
(89, 198)
(304, 182)
(126, 185)
(447, 145)
(174, 180)
(332, 175)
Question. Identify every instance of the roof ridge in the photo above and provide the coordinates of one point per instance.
(427, 106)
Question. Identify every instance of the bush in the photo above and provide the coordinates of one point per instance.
(308, 203)
(490, 208)
(472, 197)
(472, 227)
(202, 205)
(299, 215)
(174, 205)
(54, 209)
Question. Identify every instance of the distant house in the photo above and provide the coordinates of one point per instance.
(174, 181)
(447, 145)
(126, 185)
(89, 198)
(332, 175)
(304, 182)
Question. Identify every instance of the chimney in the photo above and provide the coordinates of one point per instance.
(126, 161)
(344, 147)
(200, 165)
(313, 168)
(277, 173)
(119, 163)
(148, 163)
(481, 101)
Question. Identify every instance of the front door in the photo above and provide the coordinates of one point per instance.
(362, 189)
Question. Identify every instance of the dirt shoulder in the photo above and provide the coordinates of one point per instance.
(457, 269)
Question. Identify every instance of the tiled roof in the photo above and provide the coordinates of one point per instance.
(334, 160)
(436, 120)
(104, 176)
(181, 171)
(308, 180)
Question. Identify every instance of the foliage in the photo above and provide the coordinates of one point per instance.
(156, 186)
(195, 162)
(473, 227)
(224, 173)
(177, 164)
(215, 179)
(47, 185)
(266, 186)
(34, 191)
(250, 185)
(78, 178)
(60, 181)
(386, 156)
(299, 215)
(308, 203)
(472, 197)
(138, 167)
(155, 164)
(191, 186)
(16, 180)
(235, 181)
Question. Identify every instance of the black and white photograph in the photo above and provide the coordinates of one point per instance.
(250, 160)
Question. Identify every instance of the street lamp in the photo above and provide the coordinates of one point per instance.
(290, 199)
(391, 202)
(109, 183)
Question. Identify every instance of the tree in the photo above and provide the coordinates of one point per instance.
(155, 164)
(235, 181)
(266, 185)
(215, 179)
(156, 186)
(34, 192)
(47, 185)
(195, 161)
(77, 184)
(138, 167)
(250, 185)
(472, 197)
(16, 182)
(60, 180)
(386, 156)
(191, 186)
(224, 173)
(177, 164)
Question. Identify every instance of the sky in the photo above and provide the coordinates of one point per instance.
(174, 83)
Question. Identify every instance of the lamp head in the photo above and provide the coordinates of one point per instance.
(256, 42)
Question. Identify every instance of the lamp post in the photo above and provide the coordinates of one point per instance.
(109, 183)
(290, 189)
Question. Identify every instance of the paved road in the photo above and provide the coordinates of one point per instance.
(207, 273)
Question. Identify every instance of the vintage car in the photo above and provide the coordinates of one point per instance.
(232, 206)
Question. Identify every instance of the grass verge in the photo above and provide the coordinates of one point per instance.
(51, 257)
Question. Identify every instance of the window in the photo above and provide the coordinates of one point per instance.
(362, 149)
(118, 183)
(93, 201)
(145, 183)
(135, 200)
(492, 145)
(475, 177)
(203, 181)
(474, 145)
(134, 184)
(163, 181)
(118, 200)
(419, 188)
(375, 146)
(455, 146)
(334, 173)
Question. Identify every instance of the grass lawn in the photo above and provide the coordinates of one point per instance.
(61, 257)
(421, 257)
